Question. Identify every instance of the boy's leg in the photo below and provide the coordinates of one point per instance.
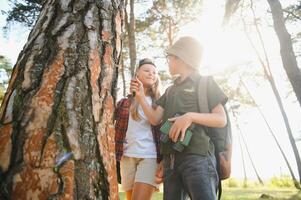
(172, 184)
(200, 177)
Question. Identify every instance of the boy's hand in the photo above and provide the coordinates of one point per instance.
(137, 88)
(159, 173)
(179, 126)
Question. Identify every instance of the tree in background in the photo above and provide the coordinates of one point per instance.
(25, 12)
(131, 31)
(287, 53)
(286, 49)
(5, 72)
(5, 65)
(166, 17)
(56, 123)
(265, 63)
(293, 11)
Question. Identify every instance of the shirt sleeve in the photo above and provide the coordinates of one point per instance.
(162, 100)
(215, 94)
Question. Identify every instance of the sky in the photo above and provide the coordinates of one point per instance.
(11, 43)
(224, 47)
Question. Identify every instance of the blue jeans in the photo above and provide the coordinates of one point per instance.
(190, 175)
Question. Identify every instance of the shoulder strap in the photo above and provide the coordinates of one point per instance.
(202, 95)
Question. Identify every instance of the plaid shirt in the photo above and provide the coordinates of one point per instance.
(122, 112)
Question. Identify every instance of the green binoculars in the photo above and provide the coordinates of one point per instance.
(179, 145)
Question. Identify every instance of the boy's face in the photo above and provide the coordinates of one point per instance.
(173, 64)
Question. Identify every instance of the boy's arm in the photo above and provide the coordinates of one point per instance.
(217, 118)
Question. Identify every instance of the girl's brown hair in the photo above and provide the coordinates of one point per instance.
(153, 92)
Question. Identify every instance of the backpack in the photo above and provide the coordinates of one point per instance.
(221, 137)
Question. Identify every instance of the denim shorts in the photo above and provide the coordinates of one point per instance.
(190, 175)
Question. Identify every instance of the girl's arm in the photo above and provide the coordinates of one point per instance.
(154, 115)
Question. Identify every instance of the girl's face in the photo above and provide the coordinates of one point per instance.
(147, 74)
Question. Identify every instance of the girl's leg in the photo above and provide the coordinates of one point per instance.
(128, 194)
(142, 191)
(145, 185)
(128, 171)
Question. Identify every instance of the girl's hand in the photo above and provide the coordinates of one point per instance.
(136, 88)
(179, 127)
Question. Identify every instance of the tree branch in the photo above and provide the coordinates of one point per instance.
(291, 13)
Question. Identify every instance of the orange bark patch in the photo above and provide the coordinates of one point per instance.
(106, 36)
(106, 136)
(33, 147)
(5, 146)
(50, 152)
(42, 107)
(108, 55)
(67, 172)
(95, 69)
(50, 80)
(34, 184)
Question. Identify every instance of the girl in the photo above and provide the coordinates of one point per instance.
(137, 141)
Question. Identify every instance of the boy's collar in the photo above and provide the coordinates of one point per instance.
(193, 77)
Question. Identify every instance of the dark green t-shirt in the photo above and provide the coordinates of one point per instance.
(182, 98)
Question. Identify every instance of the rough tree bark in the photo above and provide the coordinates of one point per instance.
(60, 100)
(286, 48)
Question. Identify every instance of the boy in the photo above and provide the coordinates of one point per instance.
(192, 171)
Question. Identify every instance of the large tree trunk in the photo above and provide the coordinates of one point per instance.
(59, 102)
(286, 48)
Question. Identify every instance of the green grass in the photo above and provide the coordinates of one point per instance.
(256, 193)
(247, 194)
